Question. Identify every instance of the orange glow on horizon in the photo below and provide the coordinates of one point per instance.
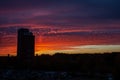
(59, 41)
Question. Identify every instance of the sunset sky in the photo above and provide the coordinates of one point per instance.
(70, 26)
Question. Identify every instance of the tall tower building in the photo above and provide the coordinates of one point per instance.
(25, 44)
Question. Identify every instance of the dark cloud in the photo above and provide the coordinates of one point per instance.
(86, 33)
(8, 31)
(58, 12)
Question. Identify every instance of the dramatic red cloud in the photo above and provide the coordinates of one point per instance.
(60, 25)
(51, 39)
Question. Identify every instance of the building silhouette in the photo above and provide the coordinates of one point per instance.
(25, 44)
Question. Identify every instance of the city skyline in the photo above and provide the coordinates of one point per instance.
(68, 26)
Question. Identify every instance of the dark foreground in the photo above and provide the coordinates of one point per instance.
(10, 74)
(61, 67)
